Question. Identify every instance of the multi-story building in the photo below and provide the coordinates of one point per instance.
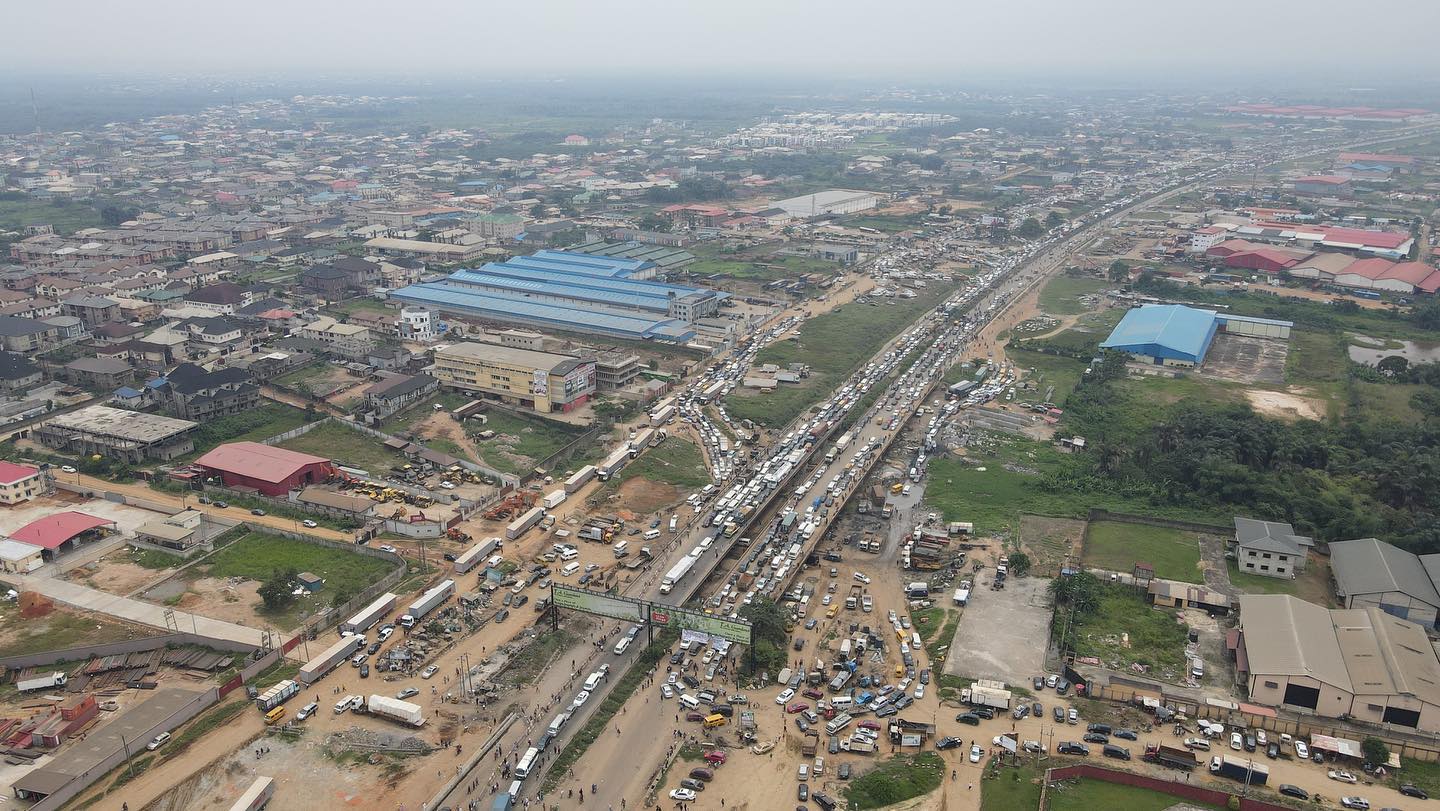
(20, 483)
(26, 335)
(193, 392)
(537, 380)
(348, 340)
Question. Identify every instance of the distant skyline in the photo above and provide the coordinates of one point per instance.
(931, 40)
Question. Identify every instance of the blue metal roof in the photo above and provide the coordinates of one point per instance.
(584, 263)
(1165, 331)
(595, 318)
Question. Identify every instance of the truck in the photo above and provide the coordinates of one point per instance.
(579, 478)
(518, 527)
(986, 697)
(1242, 769)
(854, 744)
(395, 710)
(852, 600)
(613, 463)
(641, 441)
(313, 670)
(811, 744)
(256, 796)
(428, 602)
(676, 574)
(962, 596)
(554, 499)
(370, 614)
(476, 555)
(1170, 756)
(275, 696)
(56, 679)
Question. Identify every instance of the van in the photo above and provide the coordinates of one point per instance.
(570, 569)
(841, 702)
(569, 554)
(915, 641)
(621, 548)
(838, 723)
(716, 720)
(1197, 668)
(592, 681)
(689, 702)
(274, 716)
(555, 725)
(651, 534)
(343, 704)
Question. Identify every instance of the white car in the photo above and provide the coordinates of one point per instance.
(385, 547)
(307, 523)
(580, 699)
(429, 672)
(1302, 751)
(862, 578)
(666, 692)
(1342, 776)
(448, 485)
(67, 469)
(1359, 803)
(1236, 742)
(158, 741)
(785, 695)
(682, 794)
(919, 692)
(975, 753)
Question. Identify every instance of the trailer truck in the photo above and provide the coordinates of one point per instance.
(256, 796)
(1242, 769)
(316, 668)
(56, 679)
(427, 603)
(676, 574)
(518, 527)
(1170, 756)
(395, 710)
(370, 614)
(578, 480)
(554, 499)
(275, 696)
(476, 555)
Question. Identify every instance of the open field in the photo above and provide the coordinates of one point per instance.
(1047, 370)
(521, 441)
(406, 420)
(1087, 795)
(1312, 585)
(66, 217)
(1116, 547)
(1013, 790)
(347, 447)
(896, 780)
(675, 461)
(1124, 630)
(832, 345)
(61, 628)
(1061, 295)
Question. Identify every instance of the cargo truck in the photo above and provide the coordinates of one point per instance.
(1244, 770)
(986, 697)
(579, 478)
(396, 710)
(613, 463)
(275, 696)
(553, 499)
(811, 744)
(256, 796)
(476, 555)
(316, 668)
(427, 603)
(56, 679)
(518, 527)
(370, 614)
(1170, 756)
(676, 574)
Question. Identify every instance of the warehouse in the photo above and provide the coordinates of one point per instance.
(1165, 334)
(126, 436)
(1369, 572)
(523, 377)
(1358, 663)
(830, 201)
(264, 468)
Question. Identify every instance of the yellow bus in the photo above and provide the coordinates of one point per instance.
(274, 716)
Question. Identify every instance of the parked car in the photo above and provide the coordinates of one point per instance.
(1127, 734)
(407, 692)
(1410, 790)
(1359, 803)
(158, 741)
(1072, 748)
(975, 752)
(429, 672)
(968, 718)
(1341, 776)
(1294, 791)
(948, 743)
(257, 512)
(682, 794)
(308, 524)
(1095, 737)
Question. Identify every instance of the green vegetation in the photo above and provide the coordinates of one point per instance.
(527, 664)
(67, 217)
(599, 723)
(895, 780)
(1417, 773)
(675, 461)
(61, 629)
(833, 345)
(347, 447)
(1045, 371)
(1116, 547)
(1087, 795)
(1259, 584)
(1116, 625)
(270, 419)
(258, 556)
(406, 420)
(1061, 295)
(1012, 790)
(937, 627)
(154, 558)
(210, 720)
(772, 642)
(522, 441)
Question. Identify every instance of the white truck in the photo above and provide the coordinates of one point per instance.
(554, 499)
(395, 710)
(427, 603)
(370, 614)
(275, 696)
(982, 696)
(314, 669)
(476, 555)
(676, 574)
(580, 477)
(56, 679)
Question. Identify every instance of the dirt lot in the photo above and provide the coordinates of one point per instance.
(1286, 405)
(114, 573)
(1022, 609)
(643, 497)
(1050, 542)
(1246, 360)
(210, 597)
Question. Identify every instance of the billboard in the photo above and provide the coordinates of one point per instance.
(593, 602)
(663, 616)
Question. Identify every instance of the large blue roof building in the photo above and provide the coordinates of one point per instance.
(1165, 334)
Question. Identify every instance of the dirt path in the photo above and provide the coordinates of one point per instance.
(440, 425)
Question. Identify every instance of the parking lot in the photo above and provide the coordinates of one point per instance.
(1003, 634)
(1247, 360)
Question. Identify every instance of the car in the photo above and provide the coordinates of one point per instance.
(985, 712)
(1020, 712)
(1341, 776)
(1062, 687)
(834, 745)
(365, 671)
(1410, 790)
(1095, 737)
(385, 547)
(1273, 750)
(975, 752)
(967, 718)
(1039, 683)
(374, 648)
(811, 623)
(429, 671)
(690, 680)
(307, 711)
(801, 724)
(158, 741)
(666, 691)
(949, 743)
(703, 774)
(1293, 791)
(385, 632)
(1074, 716)
(221, 504)
(1059, 715)
(692, 784)
(870, 725)
(1127, 734)
(785, 695)
(925, 676)
(1355, 802)
(716, 758)
(803, 792)
(308, 524)
(844, 773)
(693, 717)
(682, 794)
(796, 707)
(67, 469)
(1249, 742)
(1236, 742)
(1116, 752)
(1073, 748)
(1302, 751)
(1197, 743)
(1037, 709)
(1051, 680)
(407, 692)
(257, 512)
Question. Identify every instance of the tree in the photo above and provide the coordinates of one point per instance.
(1119, 272)
(1393, 366)
(1080, 591)
(1030, 229)
(1375, 750)
(275, 592)
(1054, 220)
(1019, 564)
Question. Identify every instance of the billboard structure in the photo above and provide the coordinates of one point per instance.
(653, 615)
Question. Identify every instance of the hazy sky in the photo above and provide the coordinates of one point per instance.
(927, 39)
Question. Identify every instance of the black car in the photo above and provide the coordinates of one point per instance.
(1039, 683)
(1127, 734)
(801, 725)
(1117, 752)
(948, 743)
(1059, 715)
(676, 658)
(1410, 790)
(1095, 737)
(844, 771)
(1249, 742)
(803, 792)
(374, 647)
(1273, 750)
(1062, 687)
(1103, 729)
(1294, 791)
(823, 800)
(690, 680)
(450, 556)
(889, 710)
(968, 718)
(365, 671)
(985, 712)
(693, 785)
(1072, 748)
(1037, 709)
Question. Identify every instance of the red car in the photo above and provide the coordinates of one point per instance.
(797, 706)
(870, 725)
(716, 758)
(813, 695)
(694, 716)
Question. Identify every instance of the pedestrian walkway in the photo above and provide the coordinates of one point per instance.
(125, 608)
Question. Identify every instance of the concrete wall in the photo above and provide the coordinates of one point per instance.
(1188, 791)
(1409, 608)
(85, 652)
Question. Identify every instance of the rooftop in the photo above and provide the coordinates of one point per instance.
(1172, 326)
(134, 426)
(253, 460)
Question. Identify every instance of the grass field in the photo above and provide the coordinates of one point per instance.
(1116, 547)
(59, 629)
(1087, 795)
(66, 217)
(1061, 295)
(1048, 370)
(257, 556)
(1316, 357)
(1013, 790)
(347, 447)
(675, 461)
(1388, 401)
(895, 780)
(533, 438)
(833, 345)
(1312, 585)
(1124, 630)
(270, 419)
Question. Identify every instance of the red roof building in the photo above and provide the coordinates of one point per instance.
(20, 483)
(53, 532)
(269, 470)
(1239, 253)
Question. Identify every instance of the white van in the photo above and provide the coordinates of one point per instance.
(557, 724)
(570, 569)
(621, 548)
(569, 554)
(842, 702)
(651, 535)
(1197, 668)
(689, 702)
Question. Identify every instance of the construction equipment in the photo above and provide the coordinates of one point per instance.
(512, 505)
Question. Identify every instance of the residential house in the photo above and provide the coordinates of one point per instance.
(17, 372)
(93, 310)
(193, 392)
(98, 374)
(1269, 548)
(347, 340)
(395, 392)
(223, 298)
(26, 334)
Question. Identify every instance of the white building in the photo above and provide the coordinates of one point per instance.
(417, 324)
(830, 201)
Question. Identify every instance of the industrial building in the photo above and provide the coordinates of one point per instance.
(126, 436)
(574, 292)
(57, 532)
(1356, 663)
(524, 377)
(1270, 548)
(830, 201)
(267, 469)
(1372, 573)
(661, 258)
(1175, 335)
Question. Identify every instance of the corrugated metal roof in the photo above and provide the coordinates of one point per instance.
(1370, 566)
(1289, 637)
(1183, 330)
(498, 307)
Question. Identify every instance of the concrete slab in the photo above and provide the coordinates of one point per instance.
(1003, 634)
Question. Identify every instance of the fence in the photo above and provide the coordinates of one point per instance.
(294, 432)
(85, 652)
(1189, 791)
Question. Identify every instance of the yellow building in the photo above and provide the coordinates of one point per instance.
(538, 380)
